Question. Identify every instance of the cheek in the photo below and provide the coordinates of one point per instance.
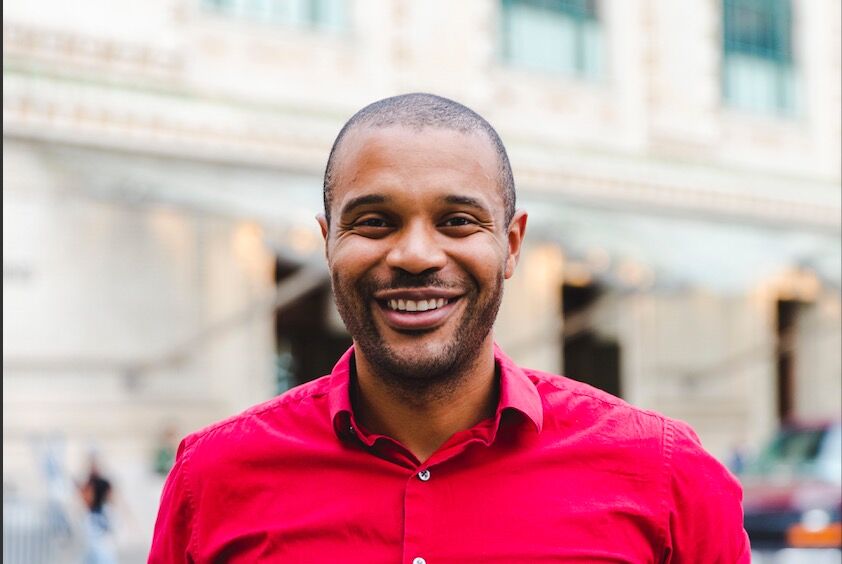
(485, 262)
(352, 257)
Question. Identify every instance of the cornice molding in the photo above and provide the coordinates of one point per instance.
(596, 188)
(106, 57)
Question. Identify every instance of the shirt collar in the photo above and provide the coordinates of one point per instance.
(517, 392)
(339, 396)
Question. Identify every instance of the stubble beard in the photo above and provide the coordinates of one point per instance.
(428, 375)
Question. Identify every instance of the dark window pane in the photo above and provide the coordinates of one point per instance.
(758, 72)
(562, 36)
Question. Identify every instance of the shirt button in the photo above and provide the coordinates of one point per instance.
(419, 560)
(423, 475)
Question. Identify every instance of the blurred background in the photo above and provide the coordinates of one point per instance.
(162, 269)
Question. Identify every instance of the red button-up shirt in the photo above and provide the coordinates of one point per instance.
(562, 472)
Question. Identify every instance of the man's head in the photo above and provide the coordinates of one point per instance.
(422, 232)
(417, 111)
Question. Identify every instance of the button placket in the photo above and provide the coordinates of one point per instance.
(419, 519)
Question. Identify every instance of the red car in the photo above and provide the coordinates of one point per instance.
(793, 489)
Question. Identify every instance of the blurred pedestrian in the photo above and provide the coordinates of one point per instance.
(164, 455)
(739, 456)
(96, 493)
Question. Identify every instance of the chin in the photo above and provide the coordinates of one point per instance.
(423, 351)
(416, 358)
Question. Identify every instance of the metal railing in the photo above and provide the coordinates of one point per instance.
(36, 532)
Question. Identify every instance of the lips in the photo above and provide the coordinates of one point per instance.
(416, 310)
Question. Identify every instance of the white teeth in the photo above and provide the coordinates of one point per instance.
(419, 305)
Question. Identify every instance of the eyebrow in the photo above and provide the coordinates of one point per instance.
(369, 199)
(362, 201)
(467, 201)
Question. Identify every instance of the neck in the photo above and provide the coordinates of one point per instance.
(424, 426)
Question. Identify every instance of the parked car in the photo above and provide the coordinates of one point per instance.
(792, 490)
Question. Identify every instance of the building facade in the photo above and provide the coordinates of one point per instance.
(163, 161)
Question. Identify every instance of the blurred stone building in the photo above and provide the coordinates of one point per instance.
(162, 166)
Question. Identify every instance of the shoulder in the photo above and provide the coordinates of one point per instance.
(599, 419)
(576, 404)
(697, 497)
(298, 410)
(569, 402)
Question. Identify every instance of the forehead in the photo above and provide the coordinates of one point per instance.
(405, 158)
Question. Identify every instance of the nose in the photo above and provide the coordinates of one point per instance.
(417, 249)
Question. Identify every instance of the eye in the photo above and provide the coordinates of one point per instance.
(371, 222)
(372, 226)
(457, 221)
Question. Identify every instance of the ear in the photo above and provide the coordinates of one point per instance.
(322, 220)
(516, 232)
(323, 225)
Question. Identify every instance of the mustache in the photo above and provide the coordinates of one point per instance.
(402, 280)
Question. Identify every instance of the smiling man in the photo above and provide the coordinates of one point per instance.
(427, 444)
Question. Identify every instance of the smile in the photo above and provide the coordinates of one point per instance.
(417, 305)
(417, 310)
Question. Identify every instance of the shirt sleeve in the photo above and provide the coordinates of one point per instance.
(705, 515)
(174, 526)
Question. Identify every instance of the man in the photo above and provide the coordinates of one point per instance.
(96, 492)
(427, 444)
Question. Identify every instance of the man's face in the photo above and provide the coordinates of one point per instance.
(418, 249)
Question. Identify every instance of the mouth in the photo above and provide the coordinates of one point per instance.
(416, 305)
(416, 310)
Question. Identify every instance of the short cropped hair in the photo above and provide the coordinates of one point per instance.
(419, 110)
